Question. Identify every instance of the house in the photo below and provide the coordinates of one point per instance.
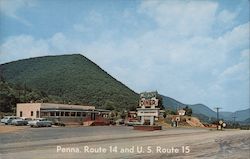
(181, 112)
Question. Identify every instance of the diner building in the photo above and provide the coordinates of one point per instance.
(63, 112)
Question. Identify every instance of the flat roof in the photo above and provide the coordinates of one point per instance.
(58, 106)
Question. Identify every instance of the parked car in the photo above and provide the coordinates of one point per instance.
(132, 123)
(19, 122)
(119, 122)
(8, 119)
(40, 122)
(58, 122)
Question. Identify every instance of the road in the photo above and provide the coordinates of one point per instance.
(123, 142)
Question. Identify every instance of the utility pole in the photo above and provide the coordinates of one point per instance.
(234, 117)
(217, 110)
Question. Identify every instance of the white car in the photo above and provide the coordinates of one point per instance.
(40, 122)
(20, 121)
(8, 119)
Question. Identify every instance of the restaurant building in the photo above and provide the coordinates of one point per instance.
(62, 112)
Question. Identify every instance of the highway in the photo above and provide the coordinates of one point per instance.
(124, 142)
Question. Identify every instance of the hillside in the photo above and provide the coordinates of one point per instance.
(203, 112)
(240, 115)
(203, 109)
(11, 94)
(199, 110)
(170, 103)
(70, 79)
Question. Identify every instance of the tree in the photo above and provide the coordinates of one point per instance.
(132, 108)
(170, 112)
(160, 102)
(109, 107)
(188, 111)
(164, 114)
(123, 115)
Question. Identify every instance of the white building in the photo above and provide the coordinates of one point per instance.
(181, 112)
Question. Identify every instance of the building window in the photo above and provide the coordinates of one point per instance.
(78, 114)
(31, 113)
(37, 114)
(57, 113)
(73, 114)
(52, 113)
(21, 114)
(62, 113)
(66, 113)
(84, 114)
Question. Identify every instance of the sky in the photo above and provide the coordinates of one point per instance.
(193, 51)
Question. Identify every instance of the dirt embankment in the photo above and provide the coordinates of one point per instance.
(185, 121)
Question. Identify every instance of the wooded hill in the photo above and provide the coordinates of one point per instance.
(68, 79)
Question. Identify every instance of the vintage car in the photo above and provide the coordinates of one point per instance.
(40, 122)
(8, 119)
(132, 123)
(19, 122)
(57, 122)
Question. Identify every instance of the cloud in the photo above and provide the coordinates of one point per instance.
(22, 46)
(183, 17)
(180, 56)
(227, 17)
(25, 46)
(89, 23)
(11, 7)
(239, 71)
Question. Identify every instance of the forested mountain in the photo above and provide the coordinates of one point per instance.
(70, 79)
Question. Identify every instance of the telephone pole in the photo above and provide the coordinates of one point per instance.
(217, 110)
(234, 117)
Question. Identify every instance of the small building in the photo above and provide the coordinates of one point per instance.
(62, 112)
(181, 112)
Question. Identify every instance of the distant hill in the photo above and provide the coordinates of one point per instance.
(173, 104)
(247, 120)
(203, 111)
(70, 79)
(240, 115)
(170, 103)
